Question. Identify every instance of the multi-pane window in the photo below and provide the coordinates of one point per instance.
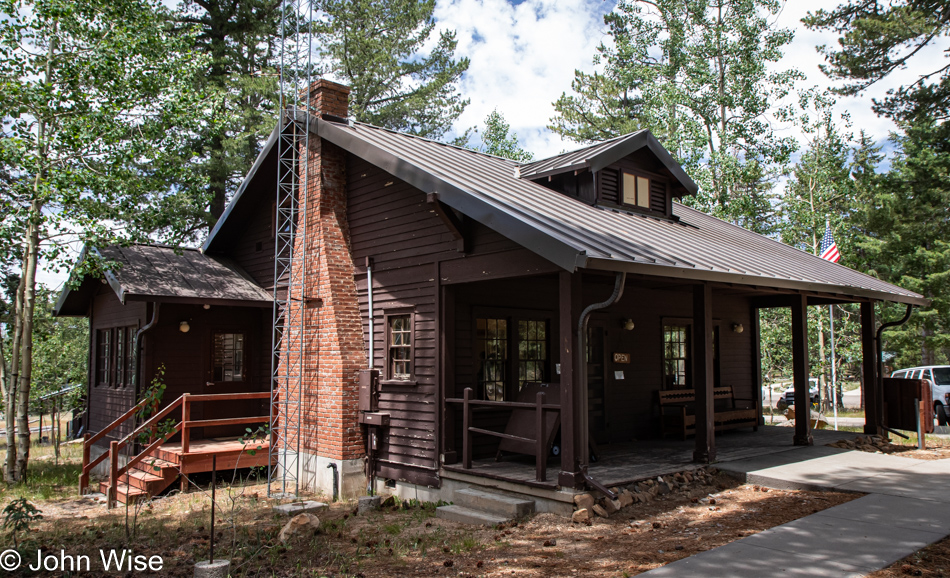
(636, 191)
(114, 353)
(676, 357)
(228, 357)
(400, 347)
(103, 356)
(491, 345)
(532, 351)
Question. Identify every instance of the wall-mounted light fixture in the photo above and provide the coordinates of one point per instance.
(184, 327)
(738, 328)
(628, 324)
(206, 306)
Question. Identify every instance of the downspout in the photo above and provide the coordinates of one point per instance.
(582, 369)
(137, 349)
(372, 312)
(880, 362)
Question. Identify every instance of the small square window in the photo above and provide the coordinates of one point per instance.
(636, 191)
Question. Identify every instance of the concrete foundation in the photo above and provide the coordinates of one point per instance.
(317, 476)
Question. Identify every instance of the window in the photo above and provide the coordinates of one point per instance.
(121, 355)
(103, 356)
(636, 191)
(491, 343)
(128, 362)
(228, 357)
(400, 347)
(532, 351)
(676, 357)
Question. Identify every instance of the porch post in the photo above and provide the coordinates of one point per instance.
(703, 374)
(800, 371)
(571, 440)
(873, 409)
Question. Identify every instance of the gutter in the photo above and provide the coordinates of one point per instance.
(137, 348)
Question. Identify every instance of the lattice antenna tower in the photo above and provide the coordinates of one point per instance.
(290, 266)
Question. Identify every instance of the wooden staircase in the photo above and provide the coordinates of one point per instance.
(158, 465)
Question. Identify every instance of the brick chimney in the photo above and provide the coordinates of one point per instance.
(333, 338)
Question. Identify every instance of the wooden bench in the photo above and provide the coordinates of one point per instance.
(682, 419)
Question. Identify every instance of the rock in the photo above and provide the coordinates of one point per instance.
(581, 516)
(298, 524)
(367, 504)
(388, 502)
(712, 471)
(663, 489)
(688, 476)
(612, 506)
(296, 508)
(600, 511)
(550, 543)
(626, 498)
(584, 501)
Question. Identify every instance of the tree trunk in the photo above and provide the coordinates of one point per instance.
(9, 471)
(26, 356)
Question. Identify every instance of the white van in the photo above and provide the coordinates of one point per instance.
(939, 376)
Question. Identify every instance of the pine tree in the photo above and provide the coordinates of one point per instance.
(381, 49)
(696, 73)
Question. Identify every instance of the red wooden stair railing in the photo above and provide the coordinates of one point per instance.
(184, 426)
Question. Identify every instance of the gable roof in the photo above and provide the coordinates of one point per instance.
(158, 273)
(600, 155)
(574, 235)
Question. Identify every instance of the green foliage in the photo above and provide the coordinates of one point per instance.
(696, 73)
(879, 38)
(152, 398)
(401, 77)
(498, 140)
(60, 351)
(18, 516)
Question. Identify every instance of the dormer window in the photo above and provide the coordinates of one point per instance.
(636, 191)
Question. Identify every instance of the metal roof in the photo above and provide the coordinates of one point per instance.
(573, 234)
(600, 155)
(158, 273)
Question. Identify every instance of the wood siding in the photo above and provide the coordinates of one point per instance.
(413, 253)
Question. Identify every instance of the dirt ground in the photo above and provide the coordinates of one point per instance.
(408, 540)
(936, 449)
(933, 561)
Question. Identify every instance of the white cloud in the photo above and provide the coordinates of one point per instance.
(524, 56)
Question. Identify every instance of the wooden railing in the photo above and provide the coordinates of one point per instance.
(184, 425)
(540, 447)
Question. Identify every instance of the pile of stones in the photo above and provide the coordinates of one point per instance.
(873, 444)
(694, 484)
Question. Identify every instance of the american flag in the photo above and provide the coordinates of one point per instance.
(829, 249)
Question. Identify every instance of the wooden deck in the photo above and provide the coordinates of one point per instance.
(620, 464)
(231, 452)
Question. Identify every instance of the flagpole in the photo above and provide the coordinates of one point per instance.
(834, 394)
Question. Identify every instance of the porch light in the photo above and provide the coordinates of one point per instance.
(628, 324)
(184, 327)
(737, 327)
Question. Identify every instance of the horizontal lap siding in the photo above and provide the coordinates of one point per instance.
(258, 263)
(392, 222)
(106, 403)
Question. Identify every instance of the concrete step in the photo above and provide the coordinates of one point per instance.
(465, 515)
(492, 503)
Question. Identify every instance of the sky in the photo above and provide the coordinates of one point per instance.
(524, 54)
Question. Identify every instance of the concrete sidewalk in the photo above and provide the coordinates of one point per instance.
(908, 507)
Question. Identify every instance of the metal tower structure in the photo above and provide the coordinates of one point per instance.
(290, 265)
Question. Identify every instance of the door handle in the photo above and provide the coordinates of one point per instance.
(209, 383)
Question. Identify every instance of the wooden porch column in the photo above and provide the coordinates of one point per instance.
(569, 295)
(873, 409)
(447, 371)
(703, 374)
(800, 371)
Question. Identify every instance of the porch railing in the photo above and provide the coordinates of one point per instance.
(539, 441)
(184, 426)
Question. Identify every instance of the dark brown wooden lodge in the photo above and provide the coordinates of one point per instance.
(579, 277)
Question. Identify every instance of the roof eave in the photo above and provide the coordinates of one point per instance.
(222, 302)
(656, 270)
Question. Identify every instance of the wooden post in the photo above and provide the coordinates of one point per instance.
(757, 360)
(185, 418)
(541, 452)
(466, 423)
(704, 374)
(800, 370)
(873, 410)
(569, 297)
(84, 475)
(113, 474)
(447, 343)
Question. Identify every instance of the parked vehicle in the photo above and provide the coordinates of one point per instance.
(788, 397)
(939, 376)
